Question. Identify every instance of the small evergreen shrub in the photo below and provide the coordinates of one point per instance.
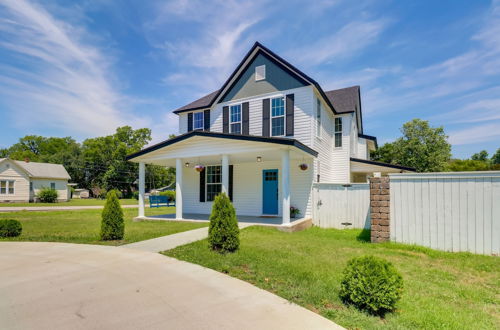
(135, 195)
(223, 231)
(371, 284)
(47, 195)
(112, 225)
(10, 228)
(170, 194)
(118, 193)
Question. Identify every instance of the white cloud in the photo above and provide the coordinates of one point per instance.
(65, 83)
(475, 134)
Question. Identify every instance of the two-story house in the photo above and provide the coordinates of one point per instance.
(264, 138)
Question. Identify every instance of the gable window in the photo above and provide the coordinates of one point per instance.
(318, 118)
(214, 182)
(278, 116)
(338, 132)
(235, 119)
(260, 72)
(53, 185)
(198, 120)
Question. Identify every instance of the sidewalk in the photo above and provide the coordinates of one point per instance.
(172, 241)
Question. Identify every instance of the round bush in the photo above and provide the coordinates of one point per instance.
(170, 194)
(223, 231)
(48, 195)
(371, 284)
(10, 228)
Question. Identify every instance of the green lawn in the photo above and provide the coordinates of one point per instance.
(442, 290)
(73, 202)
(83, 226)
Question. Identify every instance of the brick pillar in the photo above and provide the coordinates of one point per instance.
(380, 209)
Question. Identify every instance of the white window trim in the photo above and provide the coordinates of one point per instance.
(317, 118)
(271, 115)
(335, 132)
(236, 122)
(7, 187)
(202, 120)
(212, 184)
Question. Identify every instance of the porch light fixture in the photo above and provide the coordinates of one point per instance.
(259, 159)
(303, 166)
(187, 164)
(199, 168)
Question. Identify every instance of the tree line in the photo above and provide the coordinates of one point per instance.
(97, 164)
(427, 149)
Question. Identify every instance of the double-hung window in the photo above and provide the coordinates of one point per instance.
(318, 118)
(53, 185)
(214, 182)
(198, 120)
(7, 187)
(235, 118)
(278, 116)
(338, 132)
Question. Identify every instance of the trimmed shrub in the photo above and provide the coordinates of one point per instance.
(118, 193)
(371, 284)
(223, 231)
(112, 225)
(135, 195)
(47, 195)
(10, 228)
(170, 194)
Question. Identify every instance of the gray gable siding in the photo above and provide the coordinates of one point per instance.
(277, 79)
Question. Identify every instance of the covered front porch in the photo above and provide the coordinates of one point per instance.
(262, 176)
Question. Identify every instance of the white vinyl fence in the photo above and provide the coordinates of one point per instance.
(334, 204)
(447, 211)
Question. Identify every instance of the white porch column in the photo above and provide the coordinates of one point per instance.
(178, 188)
(225, 174)
(142, 175)
(285, 182)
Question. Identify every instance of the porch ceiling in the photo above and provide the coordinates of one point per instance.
(208, 148)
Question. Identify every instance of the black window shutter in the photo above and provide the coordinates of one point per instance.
(231, 182)
(206, 120)
(265, 117)
(190, 122)
(246, 119)
(225, 119)
(290, 99)
(202, 186)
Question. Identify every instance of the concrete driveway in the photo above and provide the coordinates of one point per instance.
(74, 286)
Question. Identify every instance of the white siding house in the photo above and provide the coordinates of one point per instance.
(265, 137)
(20, 181)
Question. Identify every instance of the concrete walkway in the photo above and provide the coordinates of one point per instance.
(58, 208)
(172, 241)
(77, 286)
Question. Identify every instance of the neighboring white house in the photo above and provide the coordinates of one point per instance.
(20, 181)
(255, 137)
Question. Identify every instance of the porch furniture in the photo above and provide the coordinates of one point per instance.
(159, 201)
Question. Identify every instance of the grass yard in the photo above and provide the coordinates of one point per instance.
(442, 290)
(83, 226)
(73, 202)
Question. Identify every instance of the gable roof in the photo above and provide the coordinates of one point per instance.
(208, 100)
(41, 170)
(345, 99)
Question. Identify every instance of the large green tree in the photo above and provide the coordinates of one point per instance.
(495, 159)
(422, 147)
(481, 156)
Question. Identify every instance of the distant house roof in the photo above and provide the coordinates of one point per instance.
(42, 170)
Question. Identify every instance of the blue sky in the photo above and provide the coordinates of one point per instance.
(84, 69)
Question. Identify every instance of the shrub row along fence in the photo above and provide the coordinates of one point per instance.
(447, 211)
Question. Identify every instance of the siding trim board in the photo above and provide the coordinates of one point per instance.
(272, 140)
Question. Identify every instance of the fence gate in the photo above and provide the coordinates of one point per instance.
(335, 204)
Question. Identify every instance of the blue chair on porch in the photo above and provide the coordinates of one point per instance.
(159, 201)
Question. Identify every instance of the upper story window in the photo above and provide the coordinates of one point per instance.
(318, 118)
(235, 119)
(278, 116)
(214, 182)
(338, 132)
(198, 120)
(260, 72)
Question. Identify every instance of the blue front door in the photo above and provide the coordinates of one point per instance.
(270, 192)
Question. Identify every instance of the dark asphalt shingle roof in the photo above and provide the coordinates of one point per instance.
(345, 99)
(200, 103)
